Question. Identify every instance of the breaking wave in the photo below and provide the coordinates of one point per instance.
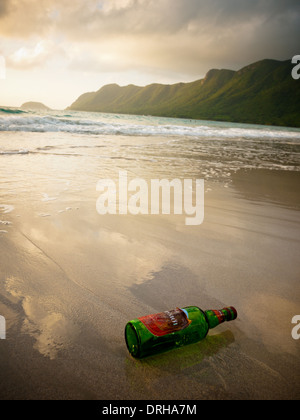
(138, 127)
(11, 111)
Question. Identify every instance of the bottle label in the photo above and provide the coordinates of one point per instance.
(220, 315)
(166, 322)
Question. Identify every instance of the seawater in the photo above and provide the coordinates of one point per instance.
(81, 147)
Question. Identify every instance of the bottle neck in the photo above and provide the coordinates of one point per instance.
(217, 317)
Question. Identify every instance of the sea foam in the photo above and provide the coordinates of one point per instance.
(146, 127)
(6, 208)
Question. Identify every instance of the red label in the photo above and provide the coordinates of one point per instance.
(219, 314)
(166, 322)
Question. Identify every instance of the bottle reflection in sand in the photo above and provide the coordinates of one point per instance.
(192, 362)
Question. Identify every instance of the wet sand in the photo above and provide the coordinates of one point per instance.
(69, 282)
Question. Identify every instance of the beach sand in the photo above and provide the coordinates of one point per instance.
(71, 280)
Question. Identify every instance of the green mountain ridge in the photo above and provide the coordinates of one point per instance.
(261, 93)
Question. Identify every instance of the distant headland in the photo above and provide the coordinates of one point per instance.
(34, 106)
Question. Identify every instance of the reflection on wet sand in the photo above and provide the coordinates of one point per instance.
(69, 282)
(260, 185)
(193, 362)
(51, 331)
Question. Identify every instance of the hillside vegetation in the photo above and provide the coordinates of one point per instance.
(261, 93)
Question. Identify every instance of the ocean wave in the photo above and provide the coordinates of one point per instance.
(75, 125)
(12, 111)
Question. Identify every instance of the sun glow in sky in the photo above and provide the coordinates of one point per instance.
(55, 50)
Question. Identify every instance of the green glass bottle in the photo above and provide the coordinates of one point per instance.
(168, 330)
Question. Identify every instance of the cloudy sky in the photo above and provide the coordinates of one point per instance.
(56, 50)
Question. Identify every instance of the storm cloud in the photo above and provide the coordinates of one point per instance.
(158, 40)
(186, 33)
(93, 18)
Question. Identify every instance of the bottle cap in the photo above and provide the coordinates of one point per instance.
(230, 313)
